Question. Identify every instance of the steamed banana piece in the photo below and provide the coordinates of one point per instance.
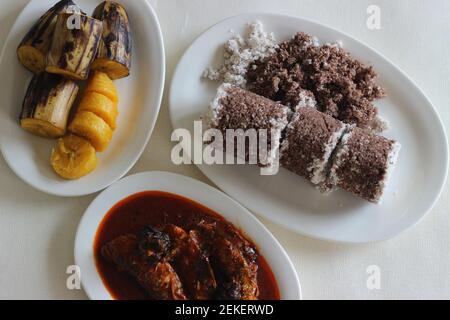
(74, 48)
(114, 54)
(33, 48)
(47, 105)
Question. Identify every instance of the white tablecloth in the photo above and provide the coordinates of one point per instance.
(37, 231)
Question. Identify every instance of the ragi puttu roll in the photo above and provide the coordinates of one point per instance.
(310, 139)
(362, 164)
(241, 110)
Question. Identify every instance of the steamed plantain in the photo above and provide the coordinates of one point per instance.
(74, 47)
(114, 54)
(73, 157)
(33, 48)
(93, 128)
(101, 105)
(47, 105)
(100, 82)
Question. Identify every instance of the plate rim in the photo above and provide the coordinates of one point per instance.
(152, 124)
(185, 179)
(440, 131)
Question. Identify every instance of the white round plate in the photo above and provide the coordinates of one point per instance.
(289, 200)
(140, 98)
(210, 197)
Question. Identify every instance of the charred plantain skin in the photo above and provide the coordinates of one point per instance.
(47, 105)
(73, 50)
(114, 54)
(33, 48)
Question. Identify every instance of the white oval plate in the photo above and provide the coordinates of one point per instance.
(210, 197)
(289, 200)
(140, 98)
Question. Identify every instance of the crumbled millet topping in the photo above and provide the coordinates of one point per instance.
(344, 88)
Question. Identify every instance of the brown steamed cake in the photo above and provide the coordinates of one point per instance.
(344, 88)
(314, 145)
(310, 139)
(235, 108)
(362, 164)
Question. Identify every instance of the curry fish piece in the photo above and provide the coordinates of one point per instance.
(233, 260)
(159, 279)
(189, 261)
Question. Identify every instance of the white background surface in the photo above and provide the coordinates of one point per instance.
(37, 231)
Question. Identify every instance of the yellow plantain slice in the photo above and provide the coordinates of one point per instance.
(101, 105)
(93, 128)
(73, 157)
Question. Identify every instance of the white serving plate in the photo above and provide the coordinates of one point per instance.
(289, 200)
(140, 98)
(208, 196)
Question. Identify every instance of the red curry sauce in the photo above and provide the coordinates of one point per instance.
(156, 208)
